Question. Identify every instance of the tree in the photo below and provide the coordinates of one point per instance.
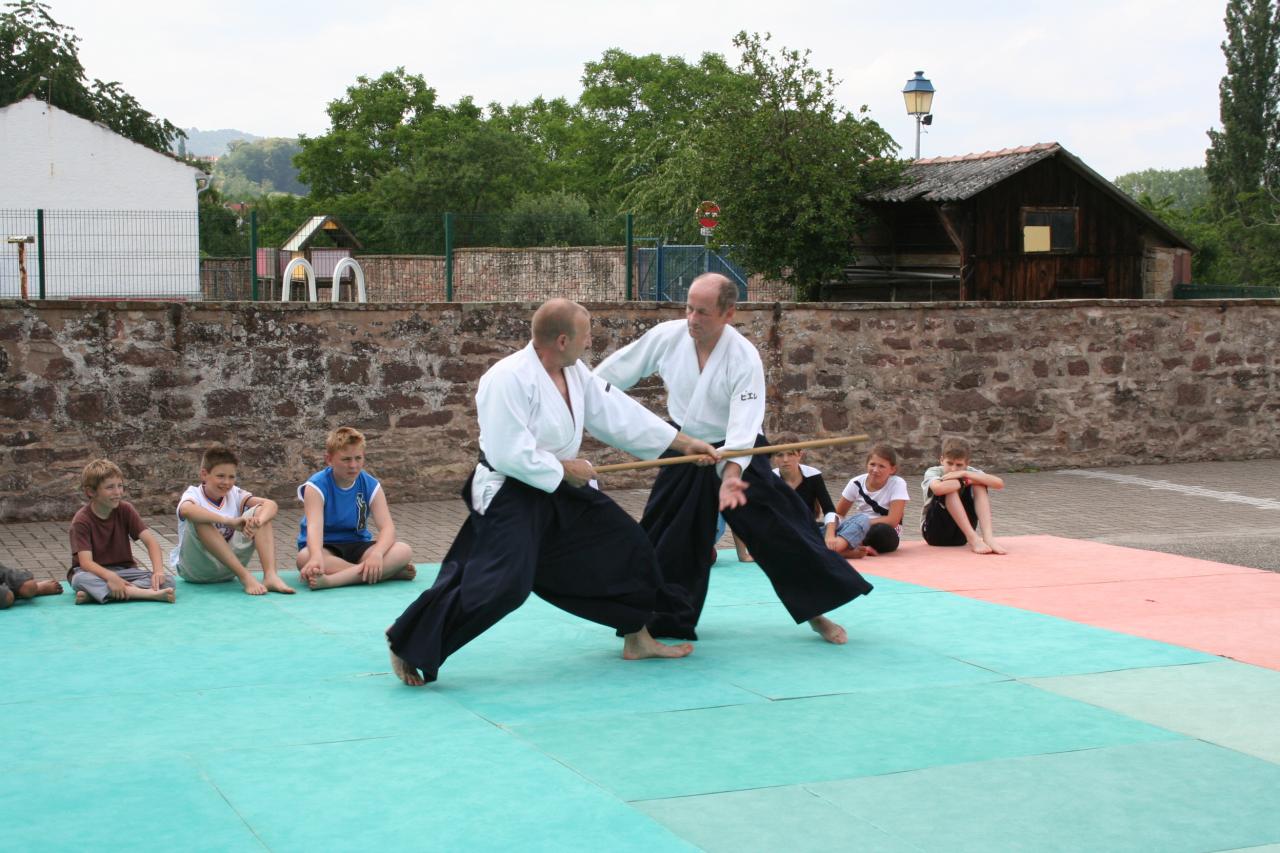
(380, 126)
(1176, 189)
(787, 164)
(251, 169)
(39, 56)
(1244, 156)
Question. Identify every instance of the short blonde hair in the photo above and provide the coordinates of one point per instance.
(341, 438)
(96, 472)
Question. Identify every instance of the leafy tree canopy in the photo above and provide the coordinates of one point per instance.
(39, 56)
(251, 169)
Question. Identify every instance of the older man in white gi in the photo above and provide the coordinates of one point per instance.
(716, 392)
(535, 525)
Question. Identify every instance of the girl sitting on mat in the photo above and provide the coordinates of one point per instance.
(868, 517)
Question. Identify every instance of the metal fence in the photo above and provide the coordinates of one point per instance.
(76, 254)
(280, 252)
(1225, 291)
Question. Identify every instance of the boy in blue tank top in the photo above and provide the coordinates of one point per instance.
(335, 544)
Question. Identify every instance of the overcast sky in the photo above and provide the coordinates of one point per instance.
(1124, 84)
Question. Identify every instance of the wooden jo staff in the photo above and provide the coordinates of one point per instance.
(729, 454)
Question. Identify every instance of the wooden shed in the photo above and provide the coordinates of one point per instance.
(1017, 224)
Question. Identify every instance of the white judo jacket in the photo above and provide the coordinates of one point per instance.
(722, 402)
(526, 428)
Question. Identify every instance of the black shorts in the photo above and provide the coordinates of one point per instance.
(13, 579)
(938, 527)
(352, 552)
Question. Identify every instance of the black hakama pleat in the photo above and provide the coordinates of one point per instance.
(575, 548)
(774, 524)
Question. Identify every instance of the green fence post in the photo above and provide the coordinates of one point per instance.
(630, 252)
(40, 247)
(253, 255)
(448, 257)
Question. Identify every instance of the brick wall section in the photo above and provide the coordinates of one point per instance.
(1038, 384)
(585, 274)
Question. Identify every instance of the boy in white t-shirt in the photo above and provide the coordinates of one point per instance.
(868, 516)
(220, 525)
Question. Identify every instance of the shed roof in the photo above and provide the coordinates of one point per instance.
(951, 179)
(299, 239)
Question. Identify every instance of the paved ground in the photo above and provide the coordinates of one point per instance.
(1223, 511)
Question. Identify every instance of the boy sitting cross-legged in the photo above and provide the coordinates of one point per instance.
(335, 547)
(220, 525)
(102, 564)
(956, 500)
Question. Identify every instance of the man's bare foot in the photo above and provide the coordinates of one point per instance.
(995, 547)
(408, 573)
(829, 631)
(253, 586)
(642, 645)
(82, 597)
(980, 547)
(408, 674)
(275, 583)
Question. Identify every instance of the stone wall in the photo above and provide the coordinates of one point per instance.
(1036, 384)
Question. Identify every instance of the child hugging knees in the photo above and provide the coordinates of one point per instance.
(868, 517)
(956, 501)
(335, 546)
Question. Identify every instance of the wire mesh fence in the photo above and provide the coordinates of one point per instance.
(280, 252)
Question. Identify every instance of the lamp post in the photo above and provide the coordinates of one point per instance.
(918, 94)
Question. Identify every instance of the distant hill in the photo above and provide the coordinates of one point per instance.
(214, 143)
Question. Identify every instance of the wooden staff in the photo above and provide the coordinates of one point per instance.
(729, 454)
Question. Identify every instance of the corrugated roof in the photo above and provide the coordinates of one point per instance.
(963, 177)
(949, 179)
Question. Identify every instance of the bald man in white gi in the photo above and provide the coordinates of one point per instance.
(535, 525)
(716, 392)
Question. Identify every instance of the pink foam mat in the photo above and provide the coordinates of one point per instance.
(1217, 608)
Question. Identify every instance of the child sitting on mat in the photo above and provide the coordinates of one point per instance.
(806, 480)
(335, 546)
(102, 564)
(220, 526)
(956, 499)
(868, 517)
(17, 583)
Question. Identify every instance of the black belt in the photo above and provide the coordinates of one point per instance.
(485, 463)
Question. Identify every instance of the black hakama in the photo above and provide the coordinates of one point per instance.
(775, 525)
(575, 548)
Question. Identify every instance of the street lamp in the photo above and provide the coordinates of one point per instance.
(918, 94)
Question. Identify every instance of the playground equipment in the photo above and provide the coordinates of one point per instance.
(286, 279)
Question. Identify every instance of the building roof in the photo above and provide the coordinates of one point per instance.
(952, 179)
(313, 226)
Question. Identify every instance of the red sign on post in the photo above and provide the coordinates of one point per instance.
(708, 214)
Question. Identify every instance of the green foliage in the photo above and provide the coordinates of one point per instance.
(222, 233)
(252, 169)
(1244, 157)
(39, 56)
(787, 165)
(1177, 189)
(554, 219)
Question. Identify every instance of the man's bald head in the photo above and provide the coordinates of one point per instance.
(724, 290)
(554, 318)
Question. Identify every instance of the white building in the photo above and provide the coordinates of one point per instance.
(119, 219)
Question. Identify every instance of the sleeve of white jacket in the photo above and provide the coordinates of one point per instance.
(621, 422)
(746, 408)
(638, 359)
(502, 408)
